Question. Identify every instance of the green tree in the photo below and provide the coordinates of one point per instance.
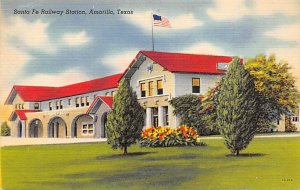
(126, 119)
(5, 130)
(208, 113)
(188, 108)
(237, 106)
(276, 86)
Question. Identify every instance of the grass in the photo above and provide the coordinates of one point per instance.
(268, 163)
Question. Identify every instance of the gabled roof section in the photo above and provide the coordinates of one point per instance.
(41, 93)
(180, 62)
(107, 100)
(188, 63)
(20, 113)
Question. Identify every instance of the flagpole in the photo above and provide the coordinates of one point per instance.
(152, 32)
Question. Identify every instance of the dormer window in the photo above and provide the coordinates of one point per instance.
(36, 106)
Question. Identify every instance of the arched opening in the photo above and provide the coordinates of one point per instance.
(103, 125)
(20, 129)
(83, 126)
(57, 128)
(35, 128)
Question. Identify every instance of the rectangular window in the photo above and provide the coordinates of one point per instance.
(88, 129)
(151, 88)
(166, 115)
(36, 106)
(155, 117)
(196, 85)
(143, 90)
(107, 94)
(50, 106)
(82, 101)
(57, 105)
(69, 101)
(61, 104)
(160, 89)
(295, 119)
(77, 102)
(87, 100)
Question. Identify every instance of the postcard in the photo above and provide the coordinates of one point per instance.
(149, 94)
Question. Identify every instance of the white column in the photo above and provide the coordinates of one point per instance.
(148, 117)
(160, 116)
(177, 121)
(23, 129)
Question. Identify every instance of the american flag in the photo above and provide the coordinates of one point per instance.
(161, 21)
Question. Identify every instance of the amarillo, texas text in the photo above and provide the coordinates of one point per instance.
(72, 12)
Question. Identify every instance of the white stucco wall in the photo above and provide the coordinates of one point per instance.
(45, 104)
(183, 83)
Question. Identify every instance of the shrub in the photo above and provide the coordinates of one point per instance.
(166, 137)
(289, 126)
(5, 130)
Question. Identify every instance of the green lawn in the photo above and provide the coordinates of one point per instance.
(268, 163)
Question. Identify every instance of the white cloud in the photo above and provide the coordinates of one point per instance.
(236, 9)
(76, 39)
(292, 55)
(119, 62)
(31, 34)
(12, 57)
(289, 32)
(56, 79)
(270, 7)
(204, 48)
(143, 20)
(227, 10)
(185, 21)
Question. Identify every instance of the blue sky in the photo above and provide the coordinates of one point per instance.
(57, 50)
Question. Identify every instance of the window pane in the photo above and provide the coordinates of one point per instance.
(151, 88)
(143, 86)
(159, 84)
(196, 82)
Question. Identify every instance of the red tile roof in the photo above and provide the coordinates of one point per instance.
(108, 100)
(21, 114)
(189, 63)
(41, 93)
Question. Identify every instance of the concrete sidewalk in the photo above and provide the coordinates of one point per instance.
(11, 141)
(260, 136)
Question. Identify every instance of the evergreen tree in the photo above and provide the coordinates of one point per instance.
(237, 107)
(126, 119)
(5, 130)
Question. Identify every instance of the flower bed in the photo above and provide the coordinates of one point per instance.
(166, 136)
